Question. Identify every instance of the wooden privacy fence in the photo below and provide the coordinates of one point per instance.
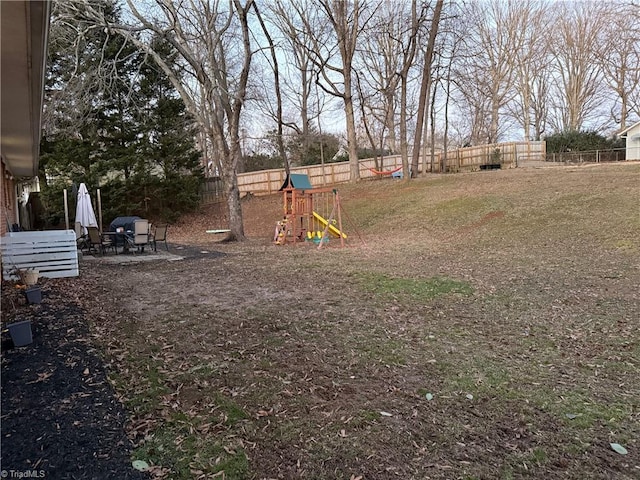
(212, 190)
(270, 181)
(53, 252)
(506, 155)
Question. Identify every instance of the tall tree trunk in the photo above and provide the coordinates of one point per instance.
(304, 110)
(233, 197)
(426, 80)
(432, 122)
(495, 113)
(445, 146)
(389, 122)
(276, 75)
(408, 56)
(404, 149)
(352, 140)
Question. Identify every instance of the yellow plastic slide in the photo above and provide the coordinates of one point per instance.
(332, 229)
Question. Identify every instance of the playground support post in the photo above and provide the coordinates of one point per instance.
(334, 210)
(325, 233)
(338, 206)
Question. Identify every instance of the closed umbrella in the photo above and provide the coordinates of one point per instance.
(85, 215)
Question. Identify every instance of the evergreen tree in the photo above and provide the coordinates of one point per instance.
(171, 170)
(112, 120)
(70, 149)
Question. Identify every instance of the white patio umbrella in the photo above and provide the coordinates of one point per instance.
(85, 215)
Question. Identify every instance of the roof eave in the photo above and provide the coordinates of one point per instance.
(25, 30)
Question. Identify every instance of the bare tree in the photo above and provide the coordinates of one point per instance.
(425, 86)
(276, 74)
(618, 54)
(213, 42)
(499, 33)
(332, 52)
(388, 56)
(452, 29)
(578, 78)
(80, 43)
(298, 77)
(380, 58)
(373, 119)
(532, 71)
(409, 47)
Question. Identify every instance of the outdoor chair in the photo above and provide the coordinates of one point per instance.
(97, 241)
(140, 234)
(159, 235)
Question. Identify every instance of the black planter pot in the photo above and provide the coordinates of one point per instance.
(33, 294)
(20, 333)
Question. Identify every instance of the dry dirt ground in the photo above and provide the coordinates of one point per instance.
(477, 325)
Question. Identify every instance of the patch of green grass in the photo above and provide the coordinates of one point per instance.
(538, 456)
(422, 392)
(203, 370)
(177, 445)
(507, 473)
(483, 377)
(288, 431)
(518, 463)
(385, 351)
(366, 417)
(375, 345)
(587, 411)
(412, 206)
(146, 389)
(232, 411)
(419, 289)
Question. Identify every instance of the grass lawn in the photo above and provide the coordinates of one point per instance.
(477, 326)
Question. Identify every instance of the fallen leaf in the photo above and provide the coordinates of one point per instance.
(386, 414)
(618, 448)
(140, 465)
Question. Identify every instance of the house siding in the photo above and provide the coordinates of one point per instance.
(632, 137)
(633, 144)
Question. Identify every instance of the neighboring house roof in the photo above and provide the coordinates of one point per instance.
(24, 31)
(626, 130)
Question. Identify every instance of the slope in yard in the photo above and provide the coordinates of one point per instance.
(477, 326)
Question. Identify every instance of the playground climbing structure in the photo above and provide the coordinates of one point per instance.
(309, 214)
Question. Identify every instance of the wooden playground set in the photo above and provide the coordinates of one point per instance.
(310, 214)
